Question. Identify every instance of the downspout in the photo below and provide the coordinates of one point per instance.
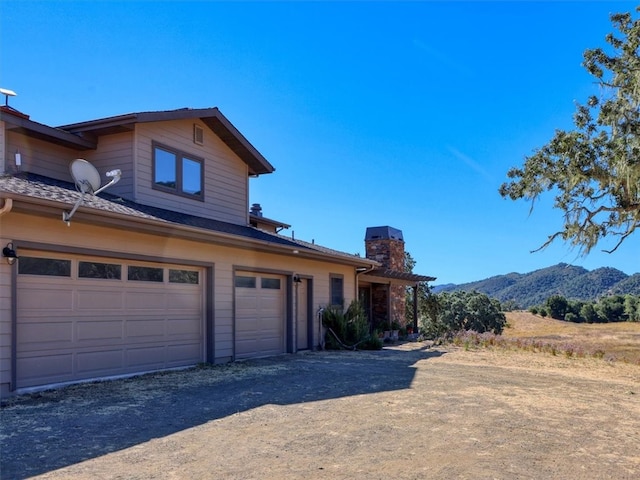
(357, 288)
(358, 273)
(7, 206)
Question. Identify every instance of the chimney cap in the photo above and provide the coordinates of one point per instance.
(383, 233)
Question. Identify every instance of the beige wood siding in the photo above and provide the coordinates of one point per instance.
(41, 157)
(225, 175)
(21, 227)
(116, 151)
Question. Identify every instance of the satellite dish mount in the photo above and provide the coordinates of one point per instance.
(87, 180)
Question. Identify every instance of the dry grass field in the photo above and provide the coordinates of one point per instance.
(612, 341)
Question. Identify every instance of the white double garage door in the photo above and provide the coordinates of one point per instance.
(88, 317)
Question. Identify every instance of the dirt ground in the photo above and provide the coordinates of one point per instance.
(407, 412)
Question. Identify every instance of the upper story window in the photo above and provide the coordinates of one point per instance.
(178, 172)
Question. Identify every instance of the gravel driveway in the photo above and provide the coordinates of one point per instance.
(404, 412)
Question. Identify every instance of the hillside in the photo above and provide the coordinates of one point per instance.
(533, 288)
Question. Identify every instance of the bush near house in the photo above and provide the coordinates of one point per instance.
(348, 329)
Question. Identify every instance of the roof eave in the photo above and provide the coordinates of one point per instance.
(46, 133)
(100, 217)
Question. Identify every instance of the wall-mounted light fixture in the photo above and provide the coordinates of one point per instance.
(9, 253)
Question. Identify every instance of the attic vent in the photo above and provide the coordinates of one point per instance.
(198, 134)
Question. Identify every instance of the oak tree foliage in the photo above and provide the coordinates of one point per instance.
(594, 169)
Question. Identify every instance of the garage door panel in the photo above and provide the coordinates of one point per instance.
(145, 300)
(99, 300)
(149, 357)
(183, 300)
(45, 369)
(48, 299)
(101, 362)
(99, 330)
(145, 328)
(271, 304)
(40, 335)
(188, 352)
(247, 327)
(184, 327)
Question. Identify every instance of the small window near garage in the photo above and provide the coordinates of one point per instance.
(178, 172)
(145, 274)
(337, 290)
(183, 276)
(245, 282)
(44, 266)
(270, 283)
(107, 271)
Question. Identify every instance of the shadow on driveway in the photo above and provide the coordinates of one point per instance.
(49, 430)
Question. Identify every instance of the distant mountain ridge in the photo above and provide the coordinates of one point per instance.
(533, 288)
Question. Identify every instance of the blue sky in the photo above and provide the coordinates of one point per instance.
(406, 114)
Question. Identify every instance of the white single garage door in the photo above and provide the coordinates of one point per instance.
(260, 315)
(84, 317)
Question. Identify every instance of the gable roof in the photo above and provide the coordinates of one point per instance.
(29, 188)
(211, 117)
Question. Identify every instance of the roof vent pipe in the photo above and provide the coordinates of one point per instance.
(256, 210)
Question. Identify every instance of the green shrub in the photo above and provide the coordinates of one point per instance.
(349, 329)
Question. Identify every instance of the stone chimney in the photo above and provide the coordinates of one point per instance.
(386, 245)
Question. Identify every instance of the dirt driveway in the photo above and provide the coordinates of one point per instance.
(407, 412)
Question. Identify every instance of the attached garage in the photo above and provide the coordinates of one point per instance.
(82, 317)
(259, 315)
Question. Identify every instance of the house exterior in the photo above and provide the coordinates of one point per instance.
(167, 268)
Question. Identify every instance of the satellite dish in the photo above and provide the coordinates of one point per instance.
(87, 180)
(85, 175)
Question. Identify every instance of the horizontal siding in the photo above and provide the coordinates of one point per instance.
(42, 157)
(225, 175)
(116, 151)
